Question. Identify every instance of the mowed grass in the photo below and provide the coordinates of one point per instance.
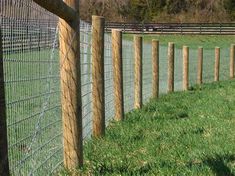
(183, 133)
(193, 41)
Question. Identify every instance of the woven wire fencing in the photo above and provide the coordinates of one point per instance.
(128, 75)
(32, 83)
(30, 37)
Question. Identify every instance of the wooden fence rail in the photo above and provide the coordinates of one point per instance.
(175, 28)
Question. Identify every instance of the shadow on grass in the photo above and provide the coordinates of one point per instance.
(219, 166)
(103, 169)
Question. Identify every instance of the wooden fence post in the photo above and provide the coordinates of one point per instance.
(232, 59)
(117, 74)
(171, 57)
(71, 98)
(185, 67)
(138, 47)
(4, 164)
(155, 65)
(200, 66)
(98, 94)
(217, 63)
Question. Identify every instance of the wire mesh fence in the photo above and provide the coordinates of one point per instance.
(128, 75)
(85, 46)
(32, 82)
(108, 79)
(31, 68)
(147, 72)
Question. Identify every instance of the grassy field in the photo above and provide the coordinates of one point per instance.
(184, 133)
(193, 41)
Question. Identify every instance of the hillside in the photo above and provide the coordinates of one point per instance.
(160, 10)
(193, 136)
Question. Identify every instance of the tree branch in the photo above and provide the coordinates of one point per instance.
(59, 8)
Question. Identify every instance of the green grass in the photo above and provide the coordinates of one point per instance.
(193, 41)
(183, 133)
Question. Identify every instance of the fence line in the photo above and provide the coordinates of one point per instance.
(32, 82)
(175, 28)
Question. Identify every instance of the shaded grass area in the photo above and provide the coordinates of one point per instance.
(183, 133)
(193, 41)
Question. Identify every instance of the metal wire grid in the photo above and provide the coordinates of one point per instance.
(209, 61)
(86, 68)
(109, 91)
(31, 69)
(85, 46)
(178, 82)
(162, 68)
(147, 72)
(128, 74)
(208, 66)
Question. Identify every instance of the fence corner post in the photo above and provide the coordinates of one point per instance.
(217, 64)
(71, 98)
(185, 68)
(232, 60)
(98, 93)
(171, 65)
(117, 73)
(155, 67)
(4, 162)
(138, 49)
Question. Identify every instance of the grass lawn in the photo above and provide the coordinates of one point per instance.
(193, 41)
(183, 133)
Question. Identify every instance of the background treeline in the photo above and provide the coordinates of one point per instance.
(160, 10)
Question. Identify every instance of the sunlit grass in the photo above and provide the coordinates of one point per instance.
(183, 133)
(193, 41)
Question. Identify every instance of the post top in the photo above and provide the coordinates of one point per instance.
(138, 36)
(155, 40)
(116, 30)
(97, 17)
